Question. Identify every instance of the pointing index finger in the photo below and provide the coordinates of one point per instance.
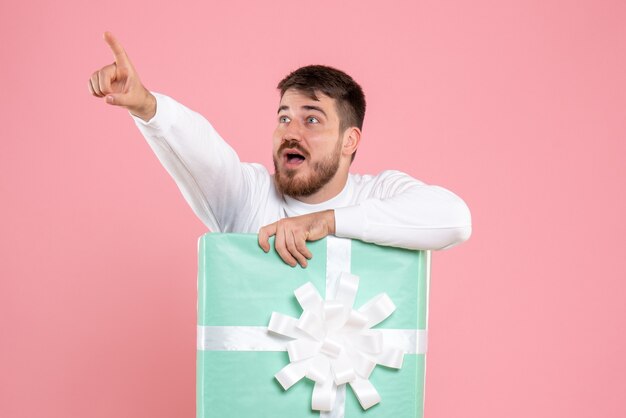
(116, 47)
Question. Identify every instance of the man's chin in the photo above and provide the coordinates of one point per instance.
(293, 184)
(292, 173)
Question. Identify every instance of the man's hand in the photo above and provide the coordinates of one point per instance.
(292, 234)
(119, 84)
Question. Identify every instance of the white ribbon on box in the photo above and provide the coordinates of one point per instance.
(331, 343)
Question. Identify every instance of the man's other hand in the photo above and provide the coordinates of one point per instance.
(119, 83)
(291, 235)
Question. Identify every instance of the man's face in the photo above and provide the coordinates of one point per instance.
(307, 143)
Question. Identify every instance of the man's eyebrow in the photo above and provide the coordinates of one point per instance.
(305, 107)
(319, 109)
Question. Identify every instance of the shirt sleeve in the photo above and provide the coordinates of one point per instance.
(401, 211)
(206, 169)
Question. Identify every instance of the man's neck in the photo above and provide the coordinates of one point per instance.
(329, 191)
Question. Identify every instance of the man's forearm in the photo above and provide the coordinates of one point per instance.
(420, 218)
(205, 168)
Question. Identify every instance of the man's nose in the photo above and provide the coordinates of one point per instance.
(293, 131)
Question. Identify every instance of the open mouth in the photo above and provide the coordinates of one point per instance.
(293, 157)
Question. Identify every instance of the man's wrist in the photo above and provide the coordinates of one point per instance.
(148, 110)
(330, 221)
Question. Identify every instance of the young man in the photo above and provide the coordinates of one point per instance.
(312, 194)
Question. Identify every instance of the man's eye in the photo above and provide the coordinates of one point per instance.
(283, 119)
(311, 119)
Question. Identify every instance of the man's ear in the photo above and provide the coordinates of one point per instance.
(351, 140)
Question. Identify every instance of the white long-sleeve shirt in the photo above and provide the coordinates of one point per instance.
(390, 208)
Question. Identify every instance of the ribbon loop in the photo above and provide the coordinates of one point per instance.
(346, 291)
(302, 349)
(309, 298)
(331, 348)
(323, 396)
(378, 309)
(283, 325)
(318, 369)
(356, 321)
(334, 315)
(343, 370)
(363, 365)
(365, 392)
(291, 374)
(312, 325)
(392, 357)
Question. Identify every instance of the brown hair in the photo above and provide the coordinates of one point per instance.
(333, 83)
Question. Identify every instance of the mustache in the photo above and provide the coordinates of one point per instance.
(292, 145)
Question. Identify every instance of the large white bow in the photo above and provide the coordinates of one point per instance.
(333, 343)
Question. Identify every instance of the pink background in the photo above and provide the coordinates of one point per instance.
(518, 106)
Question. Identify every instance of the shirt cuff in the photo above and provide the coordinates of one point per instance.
(350, 222)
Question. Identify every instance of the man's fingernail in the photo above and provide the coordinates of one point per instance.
(109, 99)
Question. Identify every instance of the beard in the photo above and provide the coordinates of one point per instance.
(291, 183)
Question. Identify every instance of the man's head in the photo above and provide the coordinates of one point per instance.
(314, 79)
(320, 117)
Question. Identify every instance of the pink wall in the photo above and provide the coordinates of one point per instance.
(518, 106)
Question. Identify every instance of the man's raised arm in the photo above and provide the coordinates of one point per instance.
(206, 169)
